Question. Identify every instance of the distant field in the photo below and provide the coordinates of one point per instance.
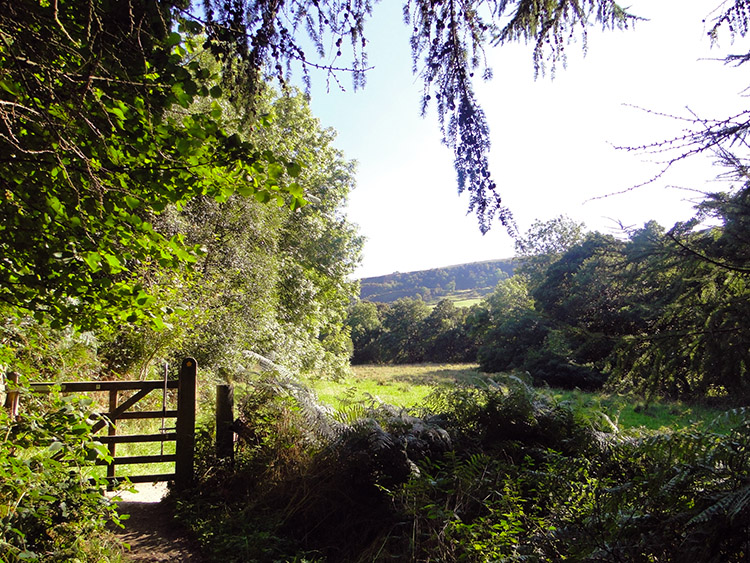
(467, 302)
(633, 412)
(403, 385)
(408, 385)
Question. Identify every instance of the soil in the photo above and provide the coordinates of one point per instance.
(151, 531)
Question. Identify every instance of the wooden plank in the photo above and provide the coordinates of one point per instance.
(151, 478)
(86, 386)
(224, 421)
(159, 477)
(147, 414)
(137, 459)
(138, 438)
(111, 431)
(115, 410)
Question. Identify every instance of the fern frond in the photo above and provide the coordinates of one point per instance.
(740, 501)
(719, 508)
(319, 417)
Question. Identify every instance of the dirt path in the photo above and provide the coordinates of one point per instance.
(151, 531)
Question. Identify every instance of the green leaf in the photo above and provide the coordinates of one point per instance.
(246, 190)
(55, 447)
(10, 87)
(293, 169)
(275, 171)
(173, 39)
(113, 262)
(263, 196)
(144, 299)
(117, 112)
(93, 260)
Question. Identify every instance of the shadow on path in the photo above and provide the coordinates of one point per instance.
(153, 535)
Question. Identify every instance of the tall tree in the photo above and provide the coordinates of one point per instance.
(270, 280)
(696, 342)
(402, 323)
(99, 133)
(544, 243)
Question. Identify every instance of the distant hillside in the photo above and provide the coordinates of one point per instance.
(462, 283)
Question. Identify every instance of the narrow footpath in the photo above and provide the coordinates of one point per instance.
(151, 532)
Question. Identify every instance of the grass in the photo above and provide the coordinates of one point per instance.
(408, 385)
(467, 302)
(144, 426)
(634, 412)
(402, 386)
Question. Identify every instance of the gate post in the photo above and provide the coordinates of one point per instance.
(112, 431)
(224, 420)
(185, 427)
(11, 395)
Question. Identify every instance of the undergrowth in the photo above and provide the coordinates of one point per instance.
(49, 509)
(503, 473)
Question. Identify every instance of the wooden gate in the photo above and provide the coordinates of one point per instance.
(184, 428)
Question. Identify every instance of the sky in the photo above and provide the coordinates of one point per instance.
(553, 140)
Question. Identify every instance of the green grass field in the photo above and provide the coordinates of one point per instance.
(468, 302)
(402, 386)
(408, 385)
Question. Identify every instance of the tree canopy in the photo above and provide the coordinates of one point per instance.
(100, 130)
(99, 133)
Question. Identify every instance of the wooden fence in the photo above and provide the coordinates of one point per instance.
(184, 416)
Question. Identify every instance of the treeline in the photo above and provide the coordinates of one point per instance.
(432, 285)
(408, 331)
(660, 312)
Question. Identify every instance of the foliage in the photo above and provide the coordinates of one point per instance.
(269, 280)
(450, 38)
(408, 331)
(696, 344)
(448, 42)
(475, 474)
(98, 138)
(544, 243)
(35, 350)
(49, 511)
(364, 320)
(273, 280)
(295, 488)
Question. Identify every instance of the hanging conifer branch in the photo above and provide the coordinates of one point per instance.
(448, 42)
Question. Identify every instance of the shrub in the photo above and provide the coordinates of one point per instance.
(50, 510)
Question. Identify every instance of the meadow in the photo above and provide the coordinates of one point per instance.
(407, 385)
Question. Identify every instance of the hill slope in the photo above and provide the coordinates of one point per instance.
(460, 283)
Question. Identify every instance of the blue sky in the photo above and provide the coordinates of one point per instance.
(552, 140)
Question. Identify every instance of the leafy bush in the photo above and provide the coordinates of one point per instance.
(538, 485)
(49, 510)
